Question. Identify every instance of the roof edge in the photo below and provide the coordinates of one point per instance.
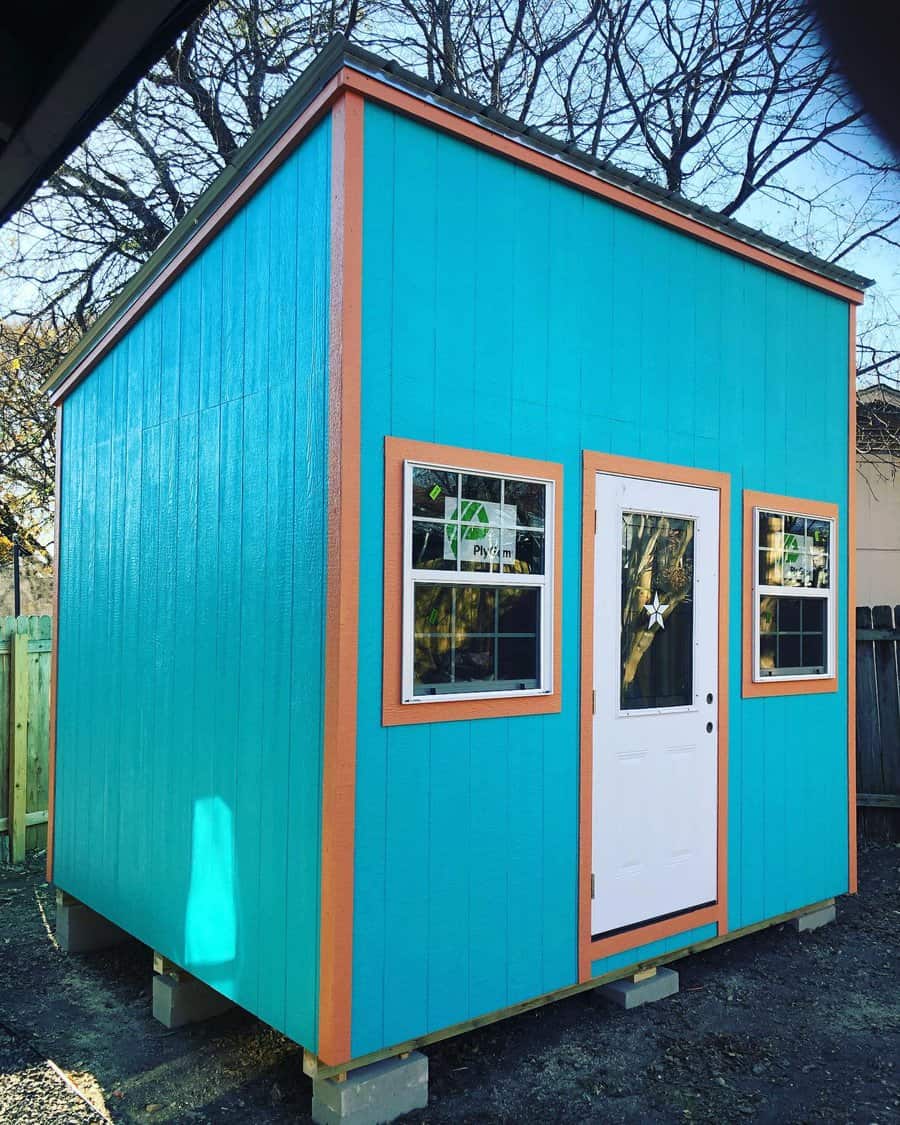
(327, 64)
(397, 76)
(340, 54)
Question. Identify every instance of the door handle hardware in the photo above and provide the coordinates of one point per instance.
(709, 728)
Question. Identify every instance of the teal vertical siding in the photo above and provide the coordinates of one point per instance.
(192, 610)
(503, 311)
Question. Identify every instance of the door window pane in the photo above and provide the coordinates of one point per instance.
(475, 638)
(657, 645)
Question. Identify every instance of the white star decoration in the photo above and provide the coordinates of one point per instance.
(656, 612)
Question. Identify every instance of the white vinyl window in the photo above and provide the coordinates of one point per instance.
(793, 596)
(477, 584)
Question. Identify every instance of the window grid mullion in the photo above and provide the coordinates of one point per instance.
(477, 578)
(494, 578)
(782, 592)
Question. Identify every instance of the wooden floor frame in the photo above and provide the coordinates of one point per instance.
(314, 1066)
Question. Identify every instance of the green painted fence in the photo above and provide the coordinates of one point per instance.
(25, 646)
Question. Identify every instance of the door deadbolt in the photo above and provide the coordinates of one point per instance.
(709, 697)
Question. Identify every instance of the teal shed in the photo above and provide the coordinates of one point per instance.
(455, 546)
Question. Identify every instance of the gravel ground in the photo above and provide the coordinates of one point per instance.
(774, 1027)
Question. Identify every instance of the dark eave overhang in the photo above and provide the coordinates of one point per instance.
(340, 56)
(87, 80)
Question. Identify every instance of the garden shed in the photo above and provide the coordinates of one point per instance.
(455, 537)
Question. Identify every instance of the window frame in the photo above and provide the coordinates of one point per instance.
(400, 704)
(794, 683)
(490, 580)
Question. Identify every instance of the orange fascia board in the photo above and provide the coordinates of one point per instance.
(209, 227)
(590, 950)
(381, 92)
(393, 711)
(754, 689)
(377, 90)
(342, 585)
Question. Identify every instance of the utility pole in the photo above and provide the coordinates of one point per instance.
(17, 593)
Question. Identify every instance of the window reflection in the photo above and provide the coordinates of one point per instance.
(477, 523)
(793, 551)
(475, 638)
(792, 635)
(657, 611)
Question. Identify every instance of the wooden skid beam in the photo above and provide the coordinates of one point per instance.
(318, 1068)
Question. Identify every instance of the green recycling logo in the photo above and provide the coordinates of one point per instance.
(472, 511)
(479, 531)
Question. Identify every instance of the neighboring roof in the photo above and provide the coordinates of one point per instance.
(64, 66)
(880, 393)
(878, 424)
(340, 54)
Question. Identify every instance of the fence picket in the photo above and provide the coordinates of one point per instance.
(18, 746)
(25, 645)
(878, 718)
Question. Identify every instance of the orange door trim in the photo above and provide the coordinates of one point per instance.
(590, 950)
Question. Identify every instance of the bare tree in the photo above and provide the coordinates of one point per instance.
(732, 103)
(27, 450)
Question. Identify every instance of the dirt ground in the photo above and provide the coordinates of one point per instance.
(774, 1027)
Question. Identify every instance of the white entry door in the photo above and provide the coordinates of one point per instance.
(656, 587)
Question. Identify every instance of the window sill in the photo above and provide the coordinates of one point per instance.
(450, 710)
(788, 685)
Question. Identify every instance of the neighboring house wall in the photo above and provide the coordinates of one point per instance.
(35, 590)
(193, 513)
(877, 535)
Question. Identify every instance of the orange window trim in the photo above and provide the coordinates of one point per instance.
(590, 950)
(393, 711)
(750, 688)
(342, 585)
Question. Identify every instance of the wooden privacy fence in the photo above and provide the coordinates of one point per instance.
(878, 713)
(25, 645)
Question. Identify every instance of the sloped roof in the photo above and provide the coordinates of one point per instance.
(341, 54)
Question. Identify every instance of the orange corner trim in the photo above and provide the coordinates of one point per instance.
(754, 689)
(590, 950)
(851, 611)
(393, 711)
(342, 584)
(54, 651)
